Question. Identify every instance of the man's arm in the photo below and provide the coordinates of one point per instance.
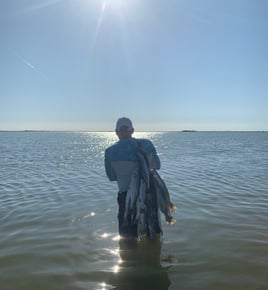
(108, 167)
(155, 161)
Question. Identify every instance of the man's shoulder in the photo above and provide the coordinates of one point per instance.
(111, 148)
(144, 141)
(146, 144)
(123, 150)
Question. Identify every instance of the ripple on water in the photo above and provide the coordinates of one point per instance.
(58, 212)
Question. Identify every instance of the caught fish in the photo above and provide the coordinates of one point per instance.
(147, 195)
(132, 195)
(143, 167)
(163, 197)
(141, 209)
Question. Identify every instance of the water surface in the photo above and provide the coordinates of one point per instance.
(58, 214)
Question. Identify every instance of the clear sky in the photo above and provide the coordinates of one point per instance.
(166, 64)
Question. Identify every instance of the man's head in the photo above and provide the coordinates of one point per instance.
(124, 128)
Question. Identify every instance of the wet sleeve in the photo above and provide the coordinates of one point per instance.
(152, 154)
(155, 163)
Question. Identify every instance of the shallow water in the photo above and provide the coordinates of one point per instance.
(58, 214)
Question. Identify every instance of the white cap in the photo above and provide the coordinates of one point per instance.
(124, 123)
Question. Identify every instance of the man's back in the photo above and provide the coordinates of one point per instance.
(121, 160)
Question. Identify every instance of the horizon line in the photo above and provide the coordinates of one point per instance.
(112, 131)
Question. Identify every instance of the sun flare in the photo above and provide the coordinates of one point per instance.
(115, 13)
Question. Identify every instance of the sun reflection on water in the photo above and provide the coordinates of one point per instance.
(116, 269)
(103, 286)
(105, 235)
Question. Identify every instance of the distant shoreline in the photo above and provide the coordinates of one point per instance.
(148, 131)
(187, 131)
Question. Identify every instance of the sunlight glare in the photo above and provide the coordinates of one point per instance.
(116, 269)
(103, 285)
(104, 235)
(116, 238)
(112, 2)
(114, 252)
(104, 4)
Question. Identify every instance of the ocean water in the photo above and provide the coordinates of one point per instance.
(58, 224)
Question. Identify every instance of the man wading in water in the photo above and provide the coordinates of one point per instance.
(122, 165)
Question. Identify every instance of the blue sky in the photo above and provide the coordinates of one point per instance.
(168, 65)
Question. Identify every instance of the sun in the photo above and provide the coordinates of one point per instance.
(104, 5)
(115, 4)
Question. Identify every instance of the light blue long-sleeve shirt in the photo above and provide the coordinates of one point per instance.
(121, 160)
